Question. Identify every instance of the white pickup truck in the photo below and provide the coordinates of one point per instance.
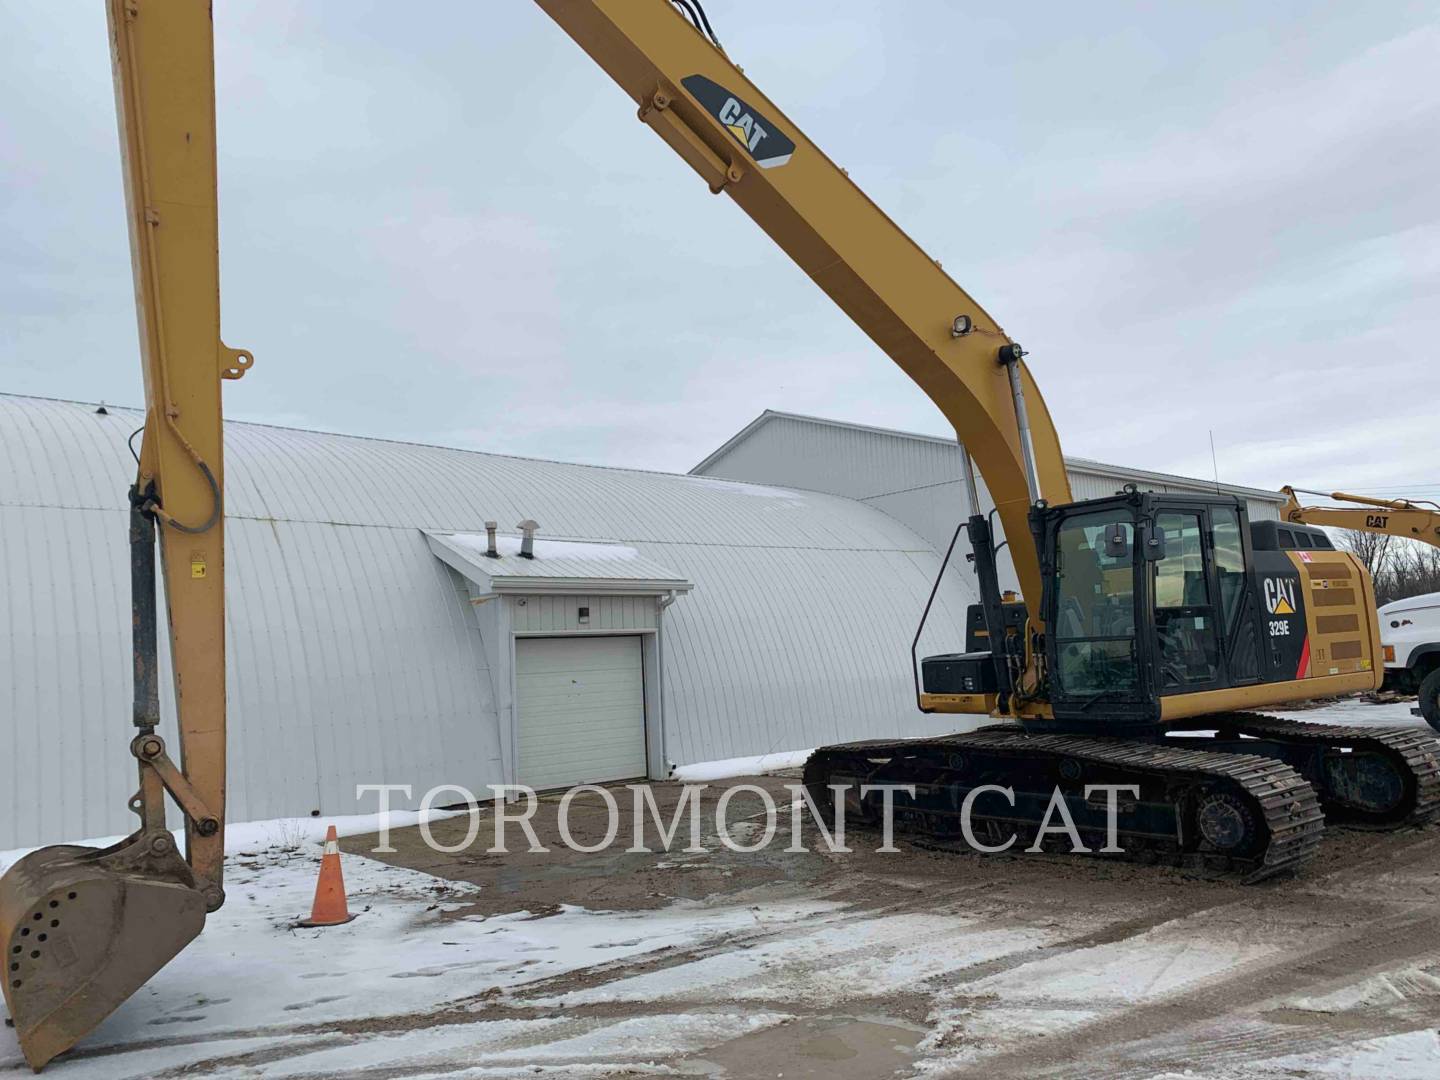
(1410, 636)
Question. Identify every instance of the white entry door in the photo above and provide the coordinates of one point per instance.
(581, 707)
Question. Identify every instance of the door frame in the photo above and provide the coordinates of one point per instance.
(1179, 504)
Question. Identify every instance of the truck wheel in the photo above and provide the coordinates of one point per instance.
(1430, 699)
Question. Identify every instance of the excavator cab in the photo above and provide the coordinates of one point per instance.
(1162, 606)
(1148, 595)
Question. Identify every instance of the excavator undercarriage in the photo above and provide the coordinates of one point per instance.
(1251, 801)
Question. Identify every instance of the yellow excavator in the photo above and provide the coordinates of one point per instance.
(1385, 517)
(1143, 613)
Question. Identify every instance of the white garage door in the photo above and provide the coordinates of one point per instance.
(582, 710)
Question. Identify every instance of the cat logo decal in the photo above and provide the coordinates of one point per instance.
(761, 139)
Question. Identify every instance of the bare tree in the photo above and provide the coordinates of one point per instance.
(1372, 549)
(1400, 567)
(1410, 570)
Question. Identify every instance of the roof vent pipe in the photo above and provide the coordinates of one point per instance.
(527, 538)
(491, 551)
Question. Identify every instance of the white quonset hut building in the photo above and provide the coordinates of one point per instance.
(663, 620)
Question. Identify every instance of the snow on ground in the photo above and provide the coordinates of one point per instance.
(726, 768)
(253, 977)
(290, 834)
(1159, 962)
(1360, 712)
(576, 992)
(499, 1046)
(873, 956)
(1066, 991)
(1414, 1055)
(1391, 988)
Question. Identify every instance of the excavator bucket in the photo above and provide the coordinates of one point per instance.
(84, 928)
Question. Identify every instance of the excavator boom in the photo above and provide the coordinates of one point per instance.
(1383, 517)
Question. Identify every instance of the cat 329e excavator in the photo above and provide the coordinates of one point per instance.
(1146, 612)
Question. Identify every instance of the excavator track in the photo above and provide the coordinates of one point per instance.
(1238, 815)
(1369, 778)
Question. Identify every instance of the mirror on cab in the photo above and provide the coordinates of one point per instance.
(1154, 547)
(1117, 541)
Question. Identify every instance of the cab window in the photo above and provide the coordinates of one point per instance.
(1184, 612)
(1094, 624)
(1229, 563)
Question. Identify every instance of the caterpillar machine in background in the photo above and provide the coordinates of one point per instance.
(1387, 517)
(1150, 612)
(1410, 652)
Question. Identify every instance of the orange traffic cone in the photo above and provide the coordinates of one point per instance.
(330, 908)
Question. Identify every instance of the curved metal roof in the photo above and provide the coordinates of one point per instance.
(77, 458)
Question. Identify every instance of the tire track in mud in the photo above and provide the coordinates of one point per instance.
(955, 903)
(523, 1001)
(534, 1000)
(1237, 1049)
(1108, 934)
(1286, 1031)
(1117, 1045)
(1402, 851)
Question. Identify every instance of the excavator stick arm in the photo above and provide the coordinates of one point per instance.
(84, 928)
(1384, 517)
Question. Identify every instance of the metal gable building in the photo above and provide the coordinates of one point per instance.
(913, 478)
(750, 619)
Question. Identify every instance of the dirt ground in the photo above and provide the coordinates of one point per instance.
(935, 963)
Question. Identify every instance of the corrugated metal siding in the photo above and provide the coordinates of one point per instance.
(858, 462)
(561, 614)
(1085, 485)
(855, 462)
(913, 478)
(355, 656)
(800, 648)
(64, 655)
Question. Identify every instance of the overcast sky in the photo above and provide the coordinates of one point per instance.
(442, 222)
